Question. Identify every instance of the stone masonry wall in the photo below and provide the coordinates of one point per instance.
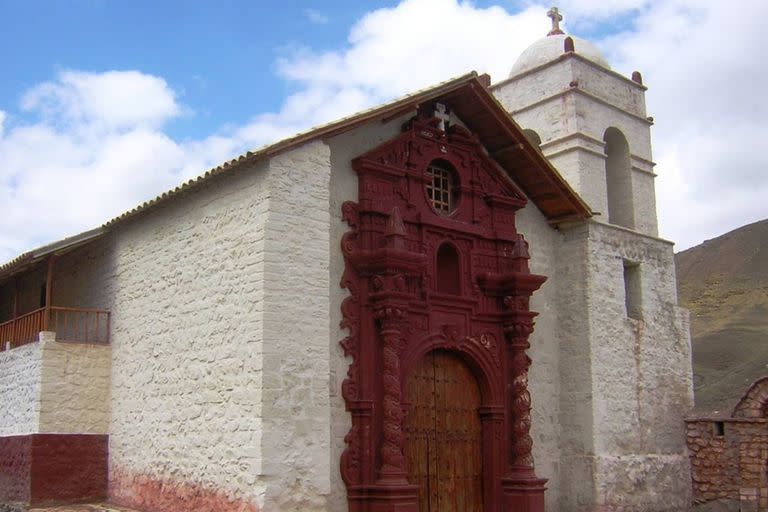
(296, 413)
(20, 376)
(544, 380)
(74, 388)
(187, 350)
(54, 387)
(730, 464)
(573, 302)
(641, 375)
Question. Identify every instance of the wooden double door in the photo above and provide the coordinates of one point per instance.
(444, 435)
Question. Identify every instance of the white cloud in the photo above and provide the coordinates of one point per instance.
(701, 62)
(96, 150)
(98, 147)
(395, 50)
(115, 99)
(588, 12)
(316, 17)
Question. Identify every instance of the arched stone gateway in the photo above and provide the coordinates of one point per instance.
(754, 403)
(439, 282)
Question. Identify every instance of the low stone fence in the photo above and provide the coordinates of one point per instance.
(729, 460)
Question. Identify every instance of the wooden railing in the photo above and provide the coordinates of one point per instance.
(77, 325)
(22, 330)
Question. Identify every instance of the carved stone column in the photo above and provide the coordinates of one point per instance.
(522, 490)
(391, 318)
(516, 331)
(390, 275)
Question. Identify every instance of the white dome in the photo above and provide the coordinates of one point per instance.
(550, 48)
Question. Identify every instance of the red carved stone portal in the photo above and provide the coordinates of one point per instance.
(433, 261)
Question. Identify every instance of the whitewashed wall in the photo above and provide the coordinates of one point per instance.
(20, 374)
(187, 342)
(641, 372)
(74, 387)
(54, 387)
(544, 376)
(296, 414)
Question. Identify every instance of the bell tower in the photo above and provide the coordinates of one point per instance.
(590, 122)
(623, 348)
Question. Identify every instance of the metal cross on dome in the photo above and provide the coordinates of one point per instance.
(554, 14)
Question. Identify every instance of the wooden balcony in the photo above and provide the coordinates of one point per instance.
(75, 325)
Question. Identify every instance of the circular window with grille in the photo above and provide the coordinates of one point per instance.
(442, 187)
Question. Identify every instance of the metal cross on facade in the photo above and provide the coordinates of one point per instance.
(554, 13)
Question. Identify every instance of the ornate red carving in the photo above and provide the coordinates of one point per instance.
(396, 314)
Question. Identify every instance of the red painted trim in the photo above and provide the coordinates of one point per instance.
(395, 314)
(42, 469)
(151, 494)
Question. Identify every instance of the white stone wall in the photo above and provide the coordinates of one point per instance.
(626, 383)
(20, 374)
(296, 414)
(74, 387)
(544, 377)
(576, 398)
(187, 339)
(55, 388)
(642, 386)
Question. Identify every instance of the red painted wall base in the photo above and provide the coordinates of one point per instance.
(148, 492)
(42, 469)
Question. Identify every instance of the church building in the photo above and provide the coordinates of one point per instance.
(456, 301)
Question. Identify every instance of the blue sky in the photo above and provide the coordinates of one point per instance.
(219, 56)
(123, 100)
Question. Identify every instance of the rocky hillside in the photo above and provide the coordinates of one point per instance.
(724, 283)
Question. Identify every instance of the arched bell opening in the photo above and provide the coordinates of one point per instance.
(618, 177)
(444, 434)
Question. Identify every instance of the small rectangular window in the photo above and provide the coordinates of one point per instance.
(633, 295)
(718, 428)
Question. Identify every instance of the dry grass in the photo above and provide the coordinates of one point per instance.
(724, 283)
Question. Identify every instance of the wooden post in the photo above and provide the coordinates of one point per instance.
(15, 309)
(48, 293)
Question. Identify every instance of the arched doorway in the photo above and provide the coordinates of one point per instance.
(444, 435)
